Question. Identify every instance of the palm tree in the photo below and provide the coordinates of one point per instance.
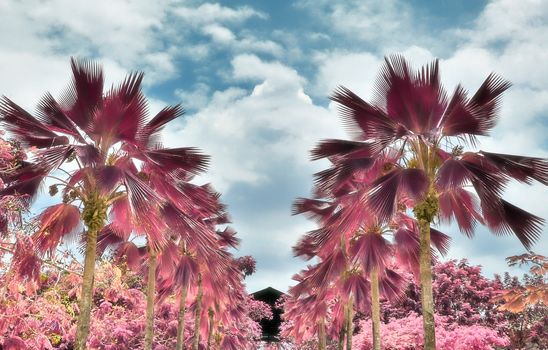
(412, 114)
(307, 308)
(350, 226)
(114, 148)
(201, 210)
(174, 266)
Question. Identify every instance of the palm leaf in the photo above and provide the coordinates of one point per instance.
(524, 169)
(505, 218)
(85, 93)
(27, 129)
(364, 121)
(463, 206)
(385, 190)
(56, 222)
(148, 135)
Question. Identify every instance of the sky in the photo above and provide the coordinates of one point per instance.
(255, 76)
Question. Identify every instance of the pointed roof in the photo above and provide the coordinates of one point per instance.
(267, 291)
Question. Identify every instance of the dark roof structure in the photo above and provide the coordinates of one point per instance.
(270, 328)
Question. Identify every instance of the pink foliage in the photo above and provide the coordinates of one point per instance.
(461, 293)
(47, 319)
(258, 310)
(11, 155)
(246, 264)
(407, 334)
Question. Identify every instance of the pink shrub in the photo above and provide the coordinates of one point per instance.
(47, 320)
(406, 334)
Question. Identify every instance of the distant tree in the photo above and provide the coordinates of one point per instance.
(247, 264)
(462, 295)
(518, 298)
(527, 303)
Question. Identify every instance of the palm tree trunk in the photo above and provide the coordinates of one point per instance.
(375, 309)
(340, 345)
(322, 341)
(86, 296)
(198, 314)
(181, 319)
(210, 313)
(151, 294)
(427, 297)
(349, 324)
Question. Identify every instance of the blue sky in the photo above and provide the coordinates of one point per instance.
(255, 75)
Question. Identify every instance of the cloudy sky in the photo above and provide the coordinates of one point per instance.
(254, 77)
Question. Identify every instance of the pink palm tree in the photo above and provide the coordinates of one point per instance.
(350, 227)
(115, 149)
(414, 116)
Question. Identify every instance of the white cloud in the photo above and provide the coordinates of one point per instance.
(137, 34)
(259, 141)
(215, 13)
(382, 24)
(507, 20)
(239, 130)
(219, 33)
(224, 36)
(196, 98)
(355, 71)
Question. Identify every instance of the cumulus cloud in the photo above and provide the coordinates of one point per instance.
(140, 34)
(246, 130)
(196, 98)
(215, 13)
(381, 24)
(246, 43)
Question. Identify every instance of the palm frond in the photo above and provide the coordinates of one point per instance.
(365, 121)
(85, 92)
(505, 218)
(372, 250)
(56, 222)
(415, 100)
(521, 168)
(189, 159)
(341, 148)
(463, 206)
(51, 114)
(440, 241)
(148, 135)
(384, 191)
(29, 131)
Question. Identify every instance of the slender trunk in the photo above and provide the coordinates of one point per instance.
(198, 313)
(427, 297)
(210, 331)
(349, 324)
(151, 294)
(86, 296)
(340, 345)
(181, 319)
(322, 341)
(375, 309)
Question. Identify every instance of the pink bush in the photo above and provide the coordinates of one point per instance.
(406, 334)
(46, 320)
